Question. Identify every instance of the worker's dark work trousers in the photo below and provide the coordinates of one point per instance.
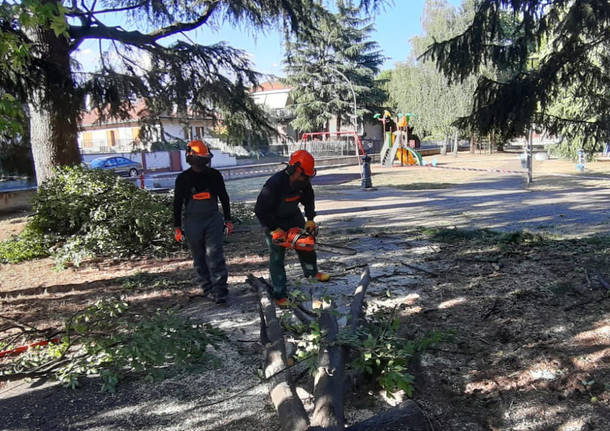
(276, 257)
(204, 230)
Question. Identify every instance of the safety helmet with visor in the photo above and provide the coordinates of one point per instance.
(198, 154)
(304, 160)
(198, 148)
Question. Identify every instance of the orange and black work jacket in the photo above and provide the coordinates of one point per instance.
(277, 205)
(199, 193)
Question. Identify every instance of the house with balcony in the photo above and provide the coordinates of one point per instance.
(121, 136)
(118, 135)
(274, 97)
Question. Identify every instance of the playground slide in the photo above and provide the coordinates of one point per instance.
(407, 155)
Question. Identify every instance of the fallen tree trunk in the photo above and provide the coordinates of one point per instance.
(288, 405)
(328, 387)
(328, 414)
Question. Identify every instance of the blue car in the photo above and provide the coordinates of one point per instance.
(120, 165)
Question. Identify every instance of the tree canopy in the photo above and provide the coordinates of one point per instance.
(554, 52)
(325, 67)
(38, 37)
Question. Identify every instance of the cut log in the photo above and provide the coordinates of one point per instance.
(356, 306)
(328, 410)
(328, 414)
(329, 384)
(290, 409)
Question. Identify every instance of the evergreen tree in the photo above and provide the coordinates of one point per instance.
(38, 38)
(558, 56)
(325, 66)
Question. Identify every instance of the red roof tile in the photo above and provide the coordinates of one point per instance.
(136, 112)
(269, 86)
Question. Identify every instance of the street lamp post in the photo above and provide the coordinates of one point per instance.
(353, 94)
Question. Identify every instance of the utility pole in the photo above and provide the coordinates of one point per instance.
(530, 150)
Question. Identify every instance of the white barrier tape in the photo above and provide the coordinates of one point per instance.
(493, 170)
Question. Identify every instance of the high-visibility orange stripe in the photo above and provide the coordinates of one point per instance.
(294, 198)
(202, 196)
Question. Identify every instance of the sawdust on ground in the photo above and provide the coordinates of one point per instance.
(531, 323)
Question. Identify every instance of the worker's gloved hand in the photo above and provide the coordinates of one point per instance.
(228, 228)
(311, 227)
(178, 234)
(278, 236)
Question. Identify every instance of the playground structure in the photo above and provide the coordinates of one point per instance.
(396, 144)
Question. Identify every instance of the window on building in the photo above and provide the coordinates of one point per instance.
(87, 140)
(111, 138)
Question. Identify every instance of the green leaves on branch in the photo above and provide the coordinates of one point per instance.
(35, 13)
(81, 213)
(109, 340)
(30, 244)
(383, 355)
(550, 61)
(378, 351)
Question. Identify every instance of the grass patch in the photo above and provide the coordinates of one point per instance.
(484, 236)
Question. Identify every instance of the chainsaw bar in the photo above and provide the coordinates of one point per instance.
(337, 249)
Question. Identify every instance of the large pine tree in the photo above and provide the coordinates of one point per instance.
(325, 66)
(557, 53)
(38, 38)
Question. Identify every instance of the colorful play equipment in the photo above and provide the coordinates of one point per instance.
(396, 145)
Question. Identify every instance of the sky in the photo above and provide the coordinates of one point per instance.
(394, 26)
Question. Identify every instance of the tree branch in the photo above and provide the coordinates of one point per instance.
(75, 12)
(136, 38)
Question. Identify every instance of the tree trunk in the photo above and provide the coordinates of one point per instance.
(492, 142)
(472, 144)
(53, 106)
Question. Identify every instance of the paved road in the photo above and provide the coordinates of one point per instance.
(501, 202)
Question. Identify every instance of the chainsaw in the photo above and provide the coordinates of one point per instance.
(300, 239)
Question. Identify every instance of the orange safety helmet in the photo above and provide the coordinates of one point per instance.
(198, 148)
(304, 160)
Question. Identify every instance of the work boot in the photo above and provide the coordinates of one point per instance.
(281, 302)
(220, 294)
(323, 277)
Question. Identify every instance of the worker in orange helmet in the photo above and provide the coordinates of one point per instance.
(198, 190)
(277, 209)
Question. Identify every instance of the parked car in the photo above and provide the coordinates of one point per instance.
(120, 165)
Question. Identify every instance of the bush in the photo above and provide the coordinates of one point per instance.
(26, 246)
(81, 213)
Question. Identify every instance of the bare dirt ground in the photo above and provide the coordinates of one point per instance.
(528, 313)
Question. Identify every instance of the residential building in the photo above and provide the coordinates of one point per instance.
(116, 135)
(275, 98)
